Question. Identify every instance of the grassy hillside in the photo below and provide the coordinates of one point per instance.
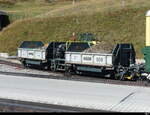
(109, 20)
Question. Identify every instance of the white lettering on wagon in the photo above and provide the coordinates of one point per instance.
(87, 59)
(100, 59)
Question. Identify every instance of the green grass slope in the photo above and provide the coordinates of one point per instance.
(113, 24)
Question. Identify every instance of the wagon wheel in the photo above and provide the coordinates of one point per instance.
(53, 67)
(25, 66)
(112, 76)
(122, 75)
(67, 72)
(42, 67)
(134, 76)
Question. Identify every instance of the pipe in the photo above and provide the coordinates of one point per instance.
(148, 28)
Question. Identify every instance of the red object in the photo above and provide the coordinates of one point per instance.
(73, 38)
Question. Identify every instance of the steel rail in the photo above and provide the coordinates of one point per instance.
(62, 76)
(9, 105)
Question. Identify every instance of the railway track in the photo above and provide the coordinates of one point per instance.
(7, 105)
(62, 76)
(11, 63)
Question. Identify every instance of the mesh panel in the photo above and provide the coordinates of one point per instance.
(78, 47)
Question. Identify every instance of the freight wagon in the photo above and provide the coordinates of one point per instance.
(51, 56)
(71, 58)
(117, 64)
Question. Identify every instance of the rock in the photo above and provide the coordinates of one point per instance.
(101, 47)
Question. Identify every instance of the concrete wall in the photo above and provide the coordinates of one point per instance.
(4, 55)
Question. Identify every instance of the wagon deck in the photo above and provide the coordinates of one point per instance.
(92, 59)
